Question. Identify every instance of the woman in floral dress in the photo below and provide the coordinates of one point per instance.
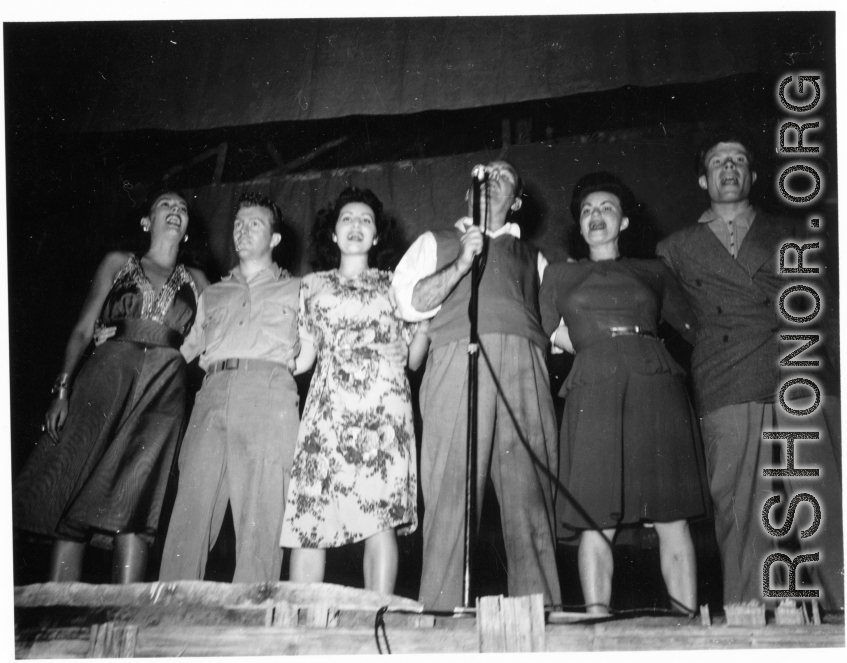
(354, 476)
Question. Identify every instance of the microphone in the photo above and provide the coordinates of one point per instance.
(480, 173)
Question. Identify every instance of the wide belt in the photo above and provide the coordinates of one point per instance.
(634, 330)
(243, 365)
(147, 332)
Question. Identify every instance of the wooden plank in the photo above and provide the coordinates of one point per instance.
(515, 627)
(561, 617)
(155, 642)
(816, 615)
(259, 641)
(523, 131)
(640, 635)
(745, 614)
(206, 593)
(195, 614)
(112, 640)
(170, 172)
(490, 633)
(506, 133)
(114, 636)
(30, 622)
(220, 163)
(789, 613)
(319, 615)
(97, 641)
(283, 168)
(57, 648)
(194, 641)
(162, 642)
(366, 619)
(537, 630)
(510, 624)
(283, 614)
(128, 642)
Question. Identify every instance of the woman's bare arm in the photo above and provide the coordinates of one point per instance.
(82, 333)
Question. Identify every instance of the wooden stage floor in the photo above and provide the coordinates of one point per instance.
(77, 620)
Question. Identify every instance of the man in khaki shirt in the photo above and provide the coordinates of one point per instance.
(240, 440)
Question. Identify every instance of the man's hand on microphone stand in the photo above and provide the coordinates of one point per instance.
(472, 242)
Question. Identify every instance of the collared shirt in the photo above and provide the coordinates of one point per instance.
(730, 232)
(421, 260)
(246, 319)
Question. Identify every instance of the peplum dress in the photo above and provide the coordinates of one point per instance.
(630, 448)
(108, 473)
(355, 470)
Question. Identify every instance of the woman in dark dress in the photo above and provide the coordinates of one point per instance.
(629, 446)
(98, 474)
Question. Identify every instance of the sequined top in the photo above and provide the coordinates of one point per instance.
(132, 297)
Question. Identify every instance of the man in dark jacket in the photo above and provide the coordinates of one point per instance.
(728, 264)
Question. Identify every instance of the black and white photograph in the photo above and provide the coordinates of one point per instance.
(420, 330)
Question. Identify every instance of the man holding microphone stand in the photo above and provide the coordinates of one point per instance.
(515, 421)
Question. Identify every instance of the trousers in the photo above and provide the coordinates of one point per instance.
(736, 456)
(523, 476)
(238, 449)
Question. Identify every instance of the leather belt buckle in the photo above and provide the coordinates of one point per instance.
(634, 330)
(235, 363)
(222, 365)
(625, 331)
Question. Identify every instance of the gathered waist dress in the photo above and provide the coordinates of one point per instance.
(630, 445)
(108, 473)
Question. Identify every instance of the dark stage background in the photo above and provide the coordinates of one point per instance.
(99, 114)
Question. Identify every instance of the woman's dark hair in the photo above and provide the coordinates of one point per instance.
(638, 244)
(134, 239)
(325, 251)
(600, 181)
(151, 200)
(194, 252)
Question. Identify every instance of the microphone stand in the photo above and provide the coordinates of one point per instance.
(480, 179)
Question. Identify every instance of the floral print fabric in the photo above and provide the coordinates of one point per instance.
(354, 473)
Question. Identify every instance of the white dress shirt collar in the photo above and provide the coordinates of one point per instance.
(508, 228)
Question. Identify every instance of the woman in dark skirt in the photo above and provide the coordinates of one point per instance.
(629, 445)
(98, 474)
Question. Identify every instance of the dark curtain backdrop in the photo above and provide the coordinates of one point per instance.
(429, 194)
(206, 74)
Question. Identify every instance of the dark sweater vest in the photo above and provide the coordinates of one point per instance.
(508, 292)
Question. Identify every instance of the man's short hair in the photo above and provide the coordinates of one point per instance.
(725, 135)
(256, 199)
